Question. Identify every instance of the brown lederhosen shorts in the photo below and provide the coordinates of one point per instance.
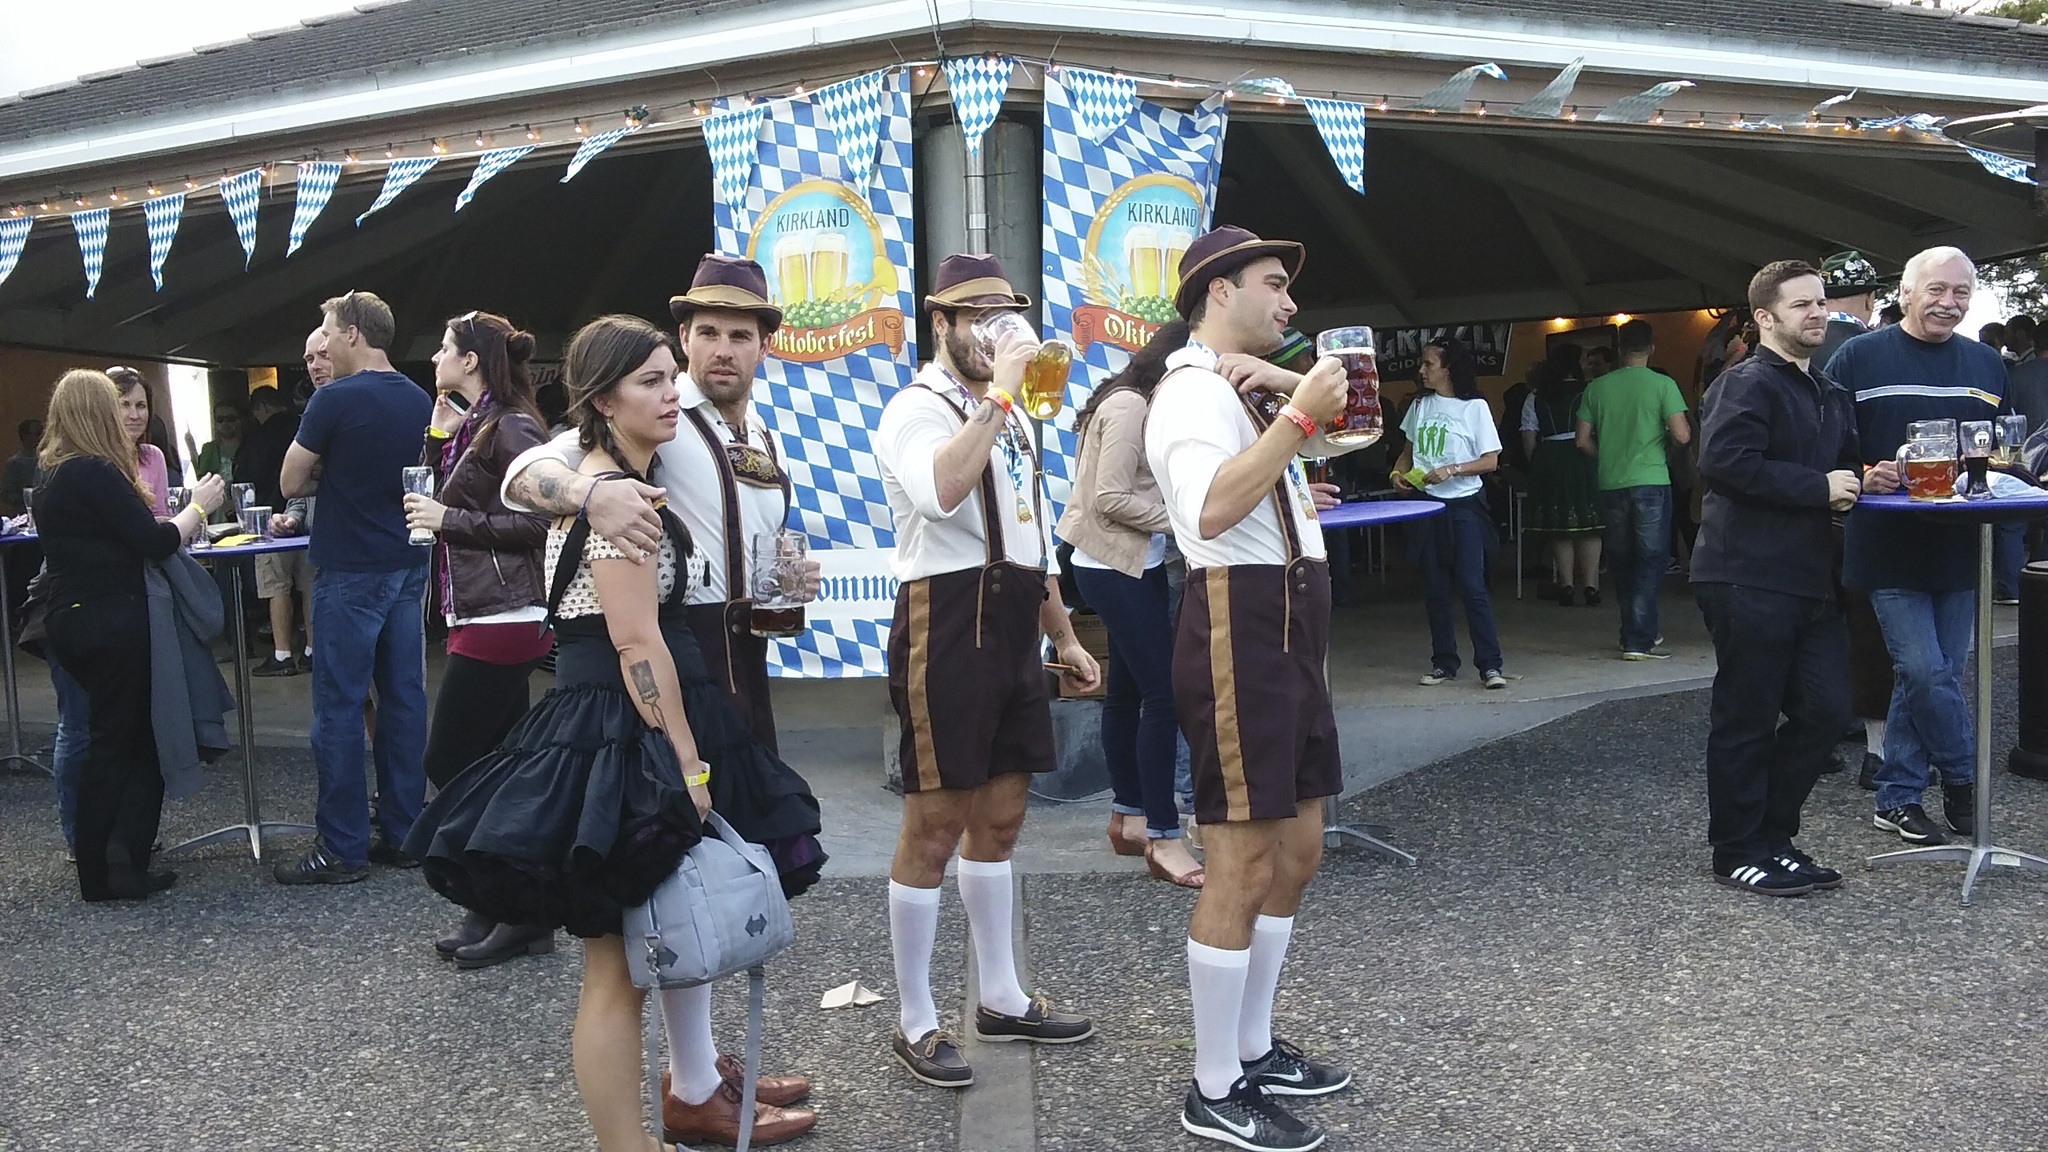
(966, 677)
(1249, 687)
(738, 661)
(1870, 662)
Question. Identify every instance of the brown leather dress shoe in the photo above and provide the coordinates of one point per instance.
(717, 1120)
(780, 1091)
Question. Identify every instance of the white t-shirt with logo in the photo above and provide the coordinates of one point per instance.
(1442, 431)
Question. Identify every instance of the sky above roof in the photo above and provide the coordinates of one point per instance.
(48, 44)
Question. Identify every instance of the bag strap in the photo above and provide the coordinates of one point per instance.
(757, 998)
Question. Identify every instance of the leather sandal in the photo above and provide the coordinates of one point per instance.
(1192, 878)
(1120, 843)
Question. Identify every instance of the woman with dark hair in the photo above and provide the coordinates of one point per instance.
(1452, 442)
(592, 799)
(1116, 522)
(150, 462)
(486, 577)
(1564, 484)
(97, 531)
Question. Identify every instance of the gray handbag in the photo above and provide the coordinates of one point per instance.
(721, 911)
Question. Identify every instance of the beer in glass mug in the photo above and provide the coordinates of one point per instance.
(1927, 460)
(1045, 376)
(1360, 423)
(776, 583)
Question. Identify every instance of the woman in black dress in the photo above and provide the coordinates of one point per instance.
(593, 798)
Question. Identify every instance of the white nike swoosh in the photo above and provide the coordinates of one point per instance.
(1293, 1075)
(1245, 1131)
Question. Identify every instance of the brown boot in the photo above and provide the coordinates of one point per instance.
(780, 1091)
(717, 1120)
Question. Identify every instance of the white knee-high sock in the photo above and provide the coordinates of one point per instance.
(1216, 979)
(1270, 935)
(986, 891)
(1873, 737)
(913, 928)
(692, 1054)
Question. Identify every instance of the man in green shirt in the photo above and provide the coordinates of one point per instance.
(1624, 418)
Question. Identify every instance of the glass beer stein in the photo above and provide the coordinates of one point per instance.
(1975, 440)
(775, 583)
(1045, 377)
(1927, 461)
(1360, 423)
(2012, 437)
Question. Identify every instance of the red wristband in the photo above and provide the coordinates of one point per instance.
(1295, 417)
(1000, 398)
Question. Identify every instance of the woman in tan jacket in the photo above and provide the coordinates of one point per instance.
(1116, 522)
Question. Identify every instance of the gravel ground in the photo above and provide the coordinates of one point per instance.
(231, 1013)
(1560, 973)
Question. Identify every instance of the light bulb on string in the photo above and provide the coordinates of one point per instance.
(480, 140)
(1573, 115)
(154, 190)
(115, 196)
(698, 111)
(390, 150)
(349, 157)
(1657, 119)
(580, 129)
(799, 88)
(189, 184)
(1482, 108)
(439, 148)
(532, 133)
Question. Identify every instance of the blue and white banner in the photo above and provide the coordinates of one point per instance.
(1119, 212)
(491, 163)
(732, 134)
(398, 178)
(243, 193)
(1342, 125)
(13, 237)
(162, 216)
(978, 85)
(91, 226)
(838, 253)
(310, 195)
(592, 145)
(854, 110)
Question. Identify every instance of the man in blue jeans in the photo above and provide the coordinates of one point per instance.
(358, 433)
(1624, 418)
(1921, 575)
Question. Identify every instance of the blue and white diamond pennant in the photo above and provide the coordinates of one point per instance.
(1268, 85)
(398, 178)
(733, 137)
(592, 145)
(1638, 109)
(162, 216)
(2005, 167)
(1101, 102)
(1342, 125)
(315, 188)
(1549, 103)
(854, 109)
(13, 236)
(978, 85)
(91, 226)
(1449, 96)
(243, 193)
(491, 163)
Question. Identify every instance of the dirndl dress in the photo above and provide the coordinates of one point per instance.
(582, 811)
(1564, 483)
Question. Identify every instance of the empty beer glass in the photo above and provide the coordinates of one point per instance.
(244, 494)
(419, 481)
(2012, 436)
(1360, 423)
(256, 520)
(775, 583)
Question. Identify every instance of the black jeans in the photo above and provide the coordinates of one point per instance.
(1779, 655)
(477, 706)
(104, 644)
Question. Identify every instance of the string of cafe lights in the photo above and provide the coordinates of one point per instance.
(689, 115)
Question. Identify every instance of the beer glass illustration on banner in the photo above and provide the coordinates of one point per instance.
(775, 583)
(1360, 423)
(1927, 460)
(419, 481)
(1045, 377)
(1976, 446)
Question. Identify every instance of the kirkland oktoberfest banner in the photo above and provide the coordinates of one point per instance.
(826, 210)
(1128, 185)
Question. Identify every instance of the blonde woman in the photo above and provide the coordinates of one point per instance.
(98, 528)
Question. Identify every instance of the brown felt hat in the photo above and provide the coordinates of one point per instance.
(727, 282)
(1223, 251)
(965, 281)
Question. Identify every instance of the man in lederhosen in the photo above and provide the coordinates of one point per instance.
(1248, 677)
(723, 478)
(965, 668)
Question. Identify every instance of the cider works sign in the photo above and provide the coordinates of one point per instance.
(829, 272)
(1131, 262)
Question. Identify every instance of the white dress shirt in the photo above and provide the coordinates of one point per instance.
(690, 472)
(929, 539)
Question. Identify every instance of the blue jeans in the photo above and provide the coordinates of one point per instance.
(1929, 727)
(67, 747)
(1138, 723)
(370, 631)
(2008, 556)
(1452, 550)
(1638, 552)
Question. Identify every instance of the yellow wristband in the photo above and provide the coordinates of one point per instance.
(1002, 399)
(434, 433)
(699, 780)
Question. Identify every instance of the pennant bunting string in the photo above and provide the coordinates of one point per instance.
(243, 193)
(13, 236)
(492, 163)
(854, 109)
(592, 146)
(317, 179)
(1342, 125)
(733, 137)
(397, 179)
(978, 85)
(91, 226)
(162, 216)
(1101, 102)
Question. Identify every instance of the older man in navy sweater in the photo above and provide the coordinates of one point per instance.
(1778, 457)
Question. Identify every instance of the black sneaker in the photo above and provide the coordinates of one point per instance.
(272, 666)
(934, 1058)
(1801, 865)
(1592, 598)
(1040, 1024)
(1867, 778)
(1766, 877)
(1247, 1118)
(1834, 764)
(318, 867)
(1437, 676)
(1959, 808)
(1287, 1071)
(1911, 823)
(390, 855)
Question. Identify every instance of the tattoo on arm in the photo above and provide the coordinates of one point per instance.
(550, 488)
(985, 413)
(649, 692)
